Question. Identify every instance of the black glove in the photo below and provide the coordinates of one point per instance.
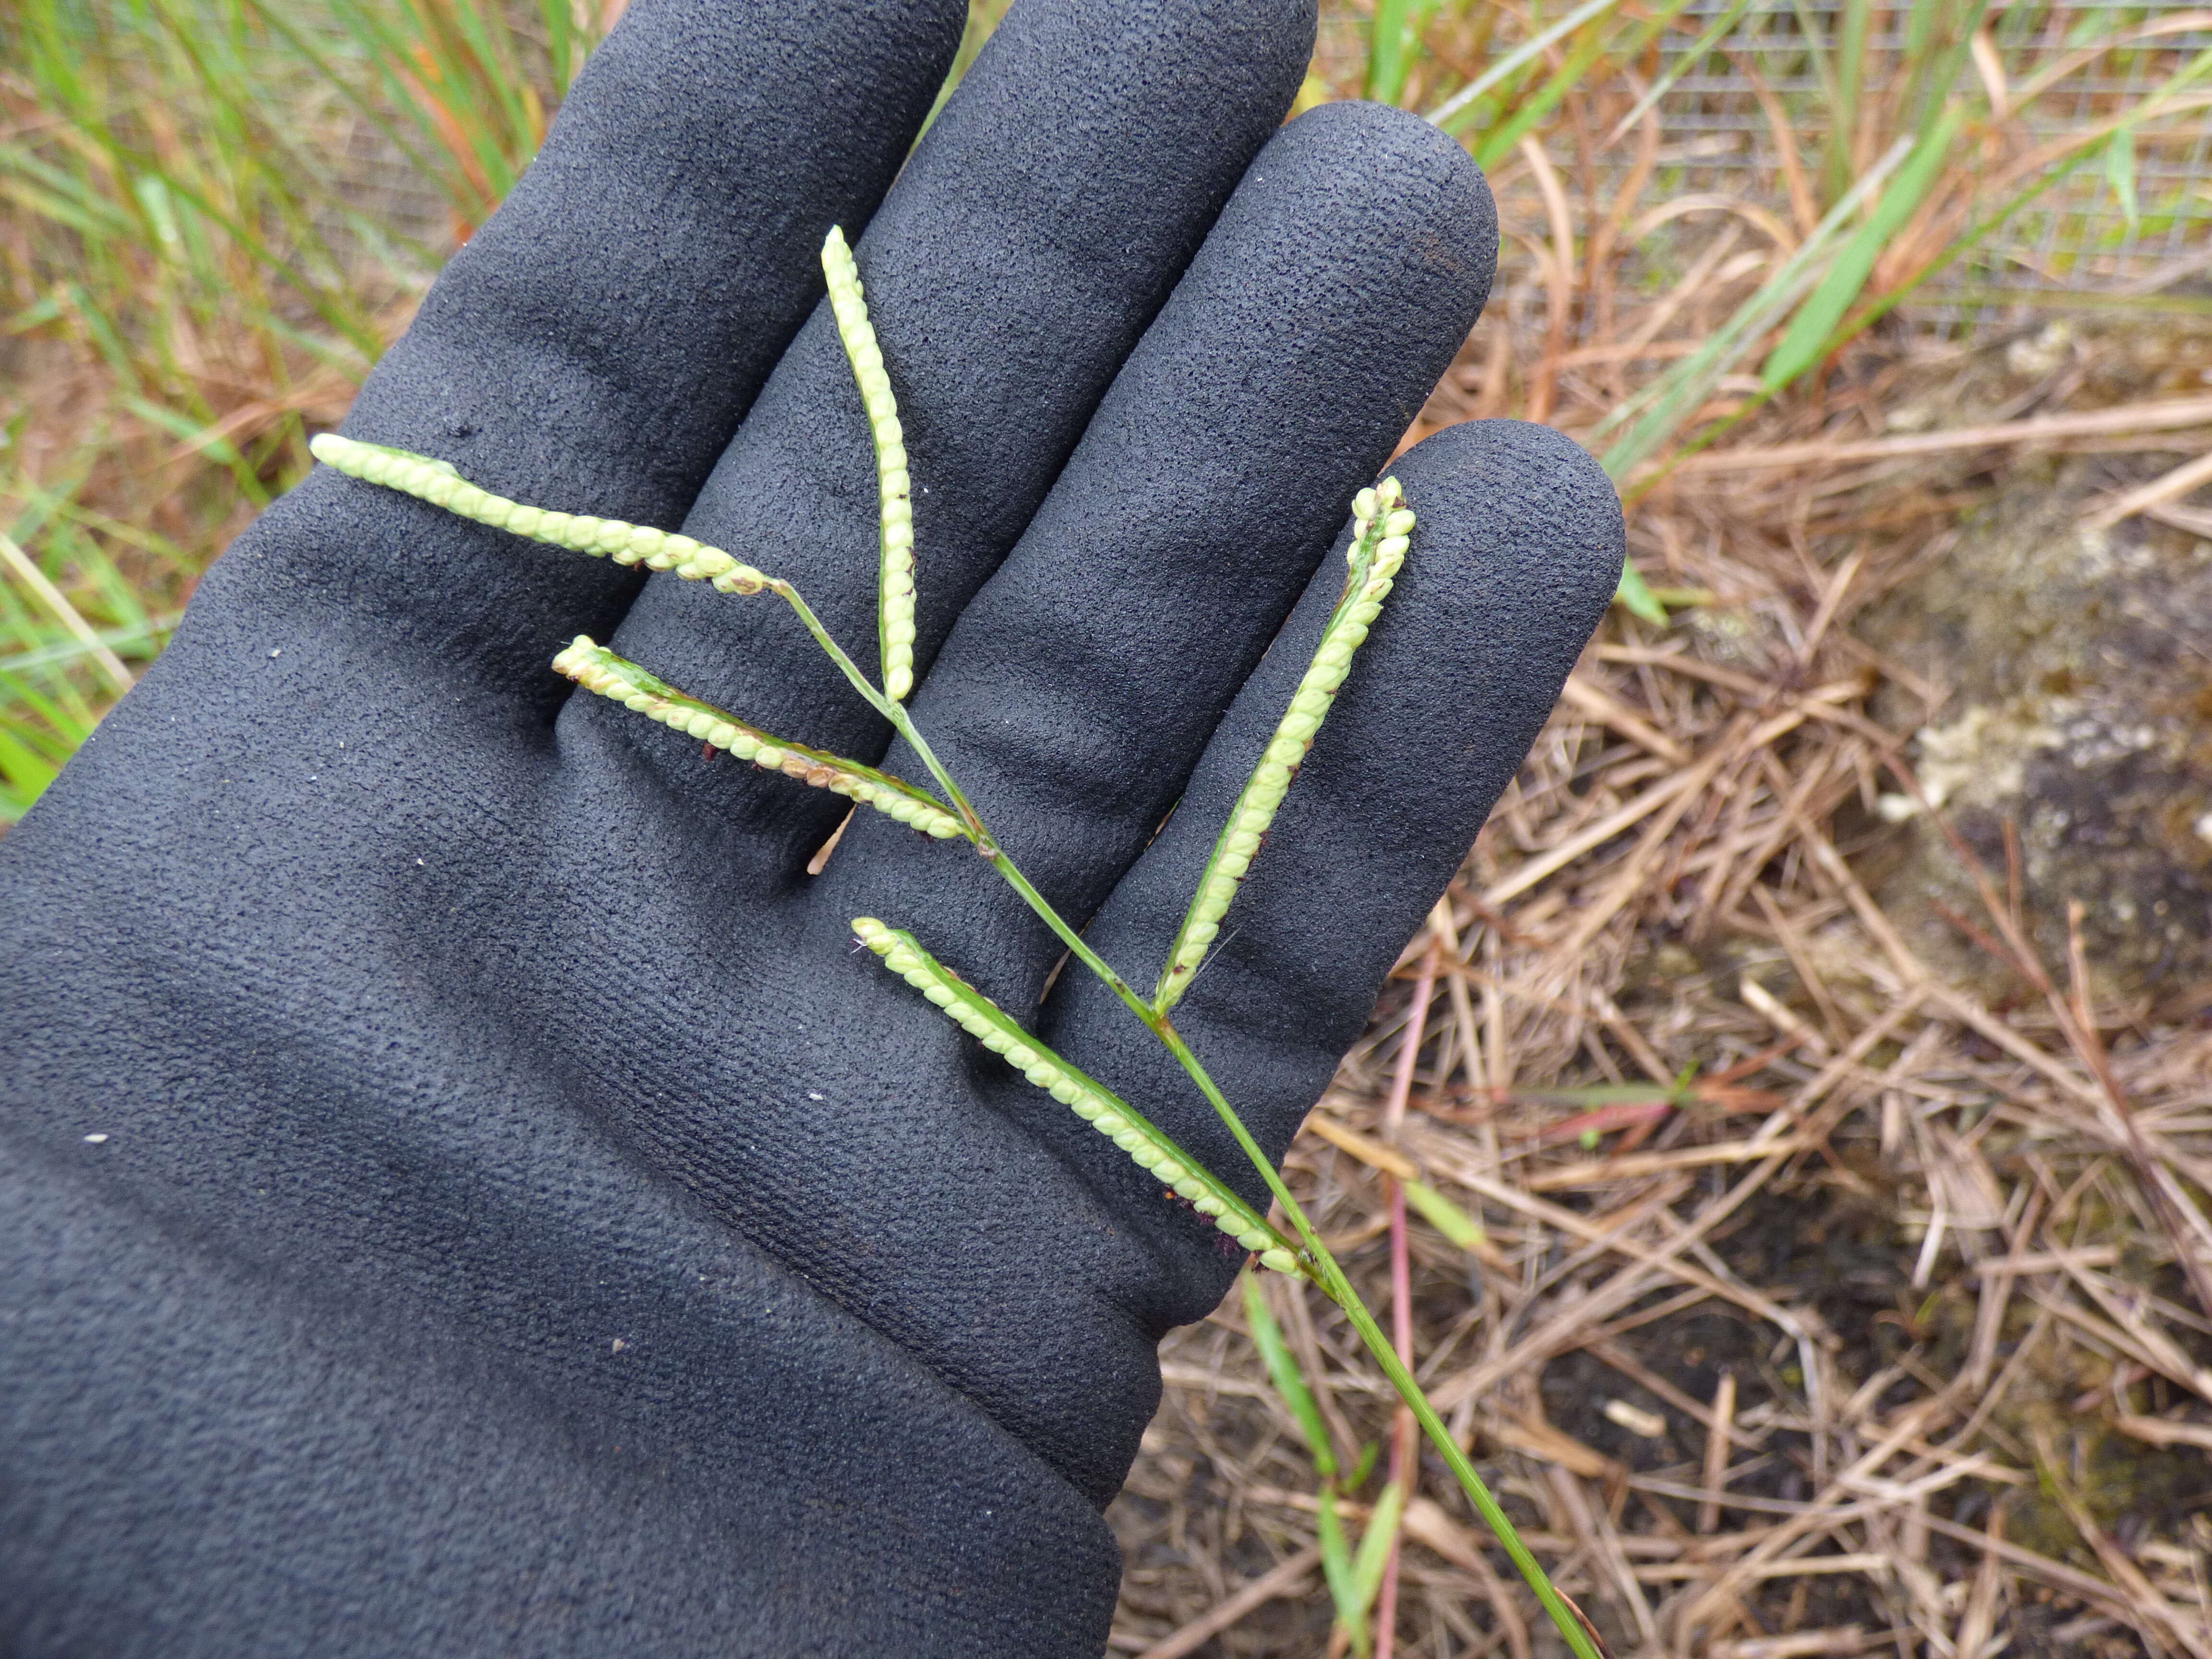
(461, 1193)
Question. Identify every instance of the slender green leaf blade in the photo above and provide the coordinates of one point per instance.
(1375, 1545)
(1290, 1382)
(1391, 48)
(1335, 1557)
(1659, 411)
(1636, 594)
(24, 774)
(1807, 341)
(1446, 1217)
(2120, 174)
(1451, 114)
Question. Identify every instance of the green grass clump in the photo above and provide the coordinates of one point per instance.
(214, 216)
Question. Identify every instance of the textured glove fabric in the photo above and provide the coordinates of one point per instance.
(461, 1194)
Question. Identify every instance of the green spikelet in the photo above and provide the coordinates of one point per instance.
(894, 482)
(438, 484)
(1381, 528)
(1090, 1100)
(598, 669)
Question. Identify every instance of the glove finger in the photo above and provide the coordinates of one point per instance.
(1080, 687)
(1518, 546)
(594, 345)
(1034, 235)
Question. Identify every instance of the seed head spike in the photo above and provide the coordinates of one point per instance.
(1089, 1099)
(598, 669)
(1381, 527)
(438, 484)
(894, 482)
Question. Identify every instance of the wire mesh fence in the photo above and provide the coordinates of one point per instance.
(2135, 223)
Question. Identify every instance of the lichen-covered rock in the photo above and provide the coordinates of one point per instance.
(2079, 665)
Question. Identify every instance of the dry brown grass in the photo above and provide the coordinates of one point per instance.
(1888, 1333)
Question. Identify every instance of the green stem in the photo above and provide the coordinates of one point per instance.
(1569, 1625)
(1260, 1161)
(1089, 957)
(1330, 1277)
(893, 711)
(836, 652)
(985, 843)
(1318, 1263)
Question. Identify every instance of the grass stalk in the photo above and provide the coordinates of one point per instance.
(1391, 48)
(1329, 1275)
(1839, 155)
(19, 565)
(1458, 110)
(1709, 37)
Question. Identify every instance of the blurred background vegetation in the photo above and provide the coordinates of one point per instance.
(1816, 1270)
(215, 214)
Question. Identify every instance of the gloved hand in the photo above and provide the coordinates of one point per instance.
(461, 1193)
